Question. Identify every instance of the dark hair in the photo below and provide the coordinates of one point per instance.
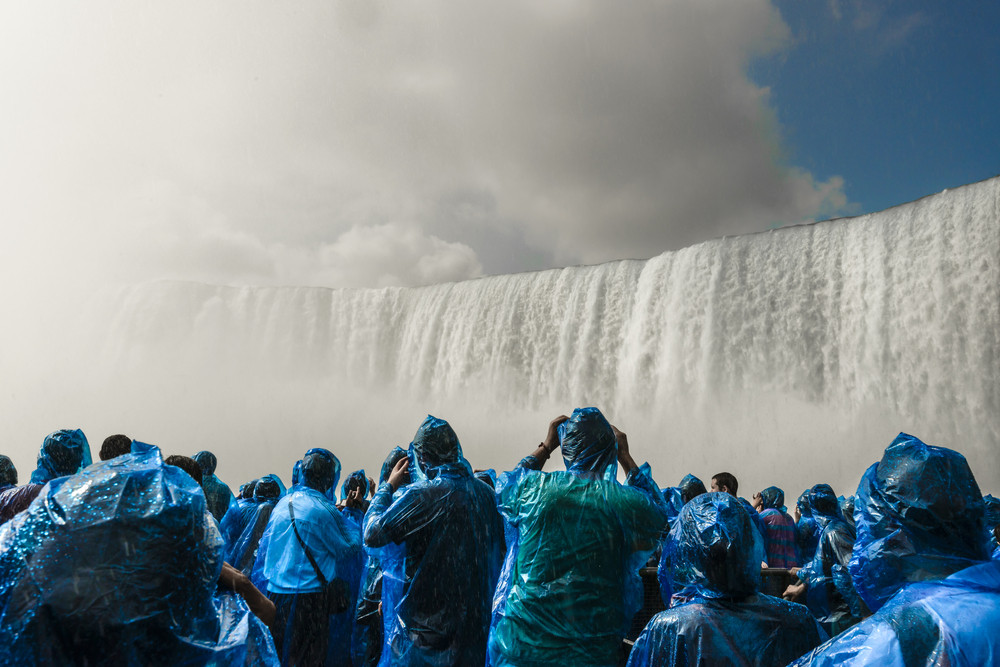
(115, 446)
(187, 464)
(726, 479)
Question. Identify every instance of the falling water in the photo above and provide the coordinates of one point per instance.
(790, 357)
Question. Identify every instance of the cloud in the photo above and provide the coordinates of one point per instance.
(395, 254)
(269, 143)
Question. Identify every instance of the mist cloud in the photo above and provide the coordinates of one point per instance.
(366, 143)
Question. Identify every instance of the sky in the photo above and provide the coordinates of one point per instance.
(363, 143)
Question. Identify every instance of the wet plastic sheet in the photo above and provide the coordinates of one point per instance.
(920, 516)
(944, 622)
(724, 620)
(920, 562)
(570, 585)
(119, 565)
(439, 540)
(439, 617)
(63, 452)
(284, 570)
(217, 493)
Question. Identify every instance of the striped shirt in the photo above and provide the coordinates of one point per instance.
(780, 538)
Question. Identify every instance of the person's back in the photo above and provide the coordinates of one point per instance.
(829, 593)
(921, 565)
(779, 529)
(309, 559)
(572, 547)
(217, 493)
(580, 539)
(715, 556)
(439, 540)
(119, 565)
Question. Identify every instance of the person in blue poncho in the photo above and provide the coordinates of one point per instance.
(63, 452)
(235, 520)
(119, 565)
(824, 580)
(725, 620)
(807, 531)
(439, 540)
(920, 565)
(242, 553)
(366, 640)
(779, 528)
(309, 560)
(353, 496)
(691, 487)
(217, 493)
(571, 583)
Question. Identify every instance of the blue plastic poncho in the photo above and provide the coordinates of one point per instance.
(439, 540)
(570, 584)
(8, 473)
(716, 553)
(830, 595)
(119, 565)
(920, 516)
(366, 641)
(357, 480)
(246, 490)
(779, 530)
(674, 500)
(488, 476)
(807, 531)
(772, 498)
(217, 493)
(303, 631)
(330, 493)
(919, 560)
(691, 487)
(63, 452)
(847, 509)
(242, 552)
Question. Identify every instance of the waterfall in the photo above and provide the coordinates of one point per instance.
(786, 357)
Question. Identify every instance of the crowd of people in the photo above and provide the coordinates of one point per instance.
(142, 558)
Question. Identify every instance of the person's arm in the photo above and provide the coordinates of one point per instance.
(536, 459)
(236, 581)
(390, 520)
(624, 457)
